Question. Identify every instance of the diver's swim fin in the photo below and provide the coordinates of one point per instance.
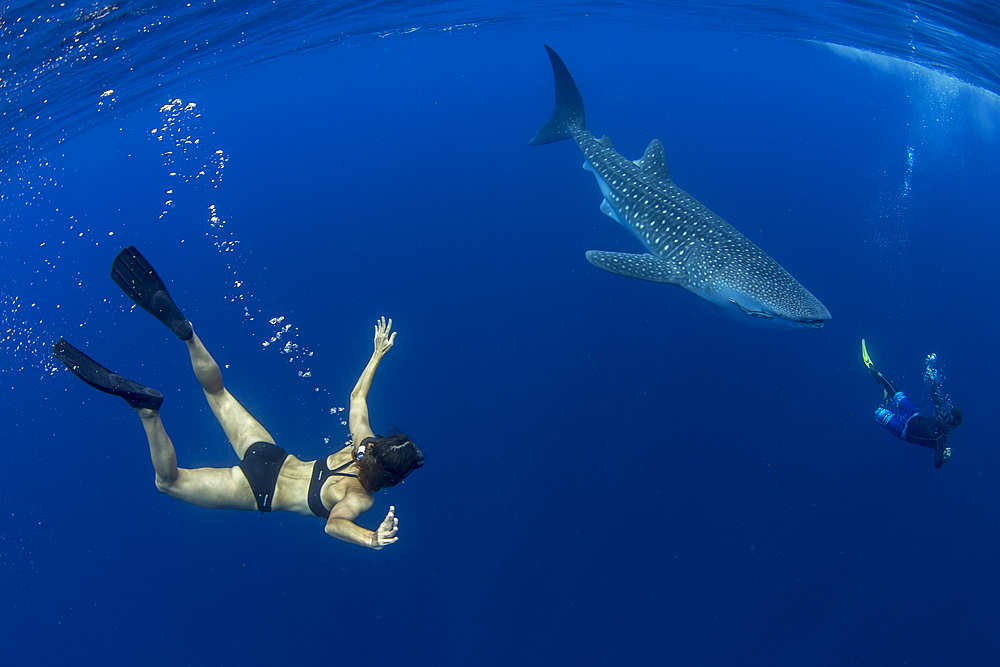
(99, 377)
(866, 358)
(139, 281)
(890, 390)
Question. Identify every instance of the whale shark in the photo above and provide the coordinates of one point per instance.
(689, 245)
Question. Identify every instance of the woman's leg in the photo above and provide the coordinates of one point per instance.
(215, 488)
(240, 427)
(208, 487)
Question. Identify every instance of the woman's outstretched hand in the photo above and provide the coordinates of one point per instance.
(383, 339)
(386, 532)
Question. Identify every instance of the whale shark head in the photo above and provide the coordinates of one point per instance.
(751, 284)
(804, 312)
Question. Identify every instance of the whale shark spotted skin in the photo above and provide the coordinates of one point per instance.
(689, 246)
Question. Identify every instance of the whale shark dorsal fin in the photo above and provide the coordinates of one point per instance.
(654, 161)
(644, 267)
(606, 142)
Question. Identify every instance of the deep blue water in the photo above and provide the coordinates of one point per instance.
(615, 474)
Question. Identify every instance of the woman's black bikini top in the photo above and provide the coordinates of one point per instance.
(321, 473)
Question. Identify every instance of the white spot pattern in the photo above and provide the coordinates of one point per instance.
(697, 248)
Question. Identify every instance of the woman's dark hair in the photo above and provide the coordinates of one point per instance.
(388, 461)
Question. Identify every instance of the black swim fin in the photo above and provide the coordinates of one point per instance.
(139, 281)
(99, 377)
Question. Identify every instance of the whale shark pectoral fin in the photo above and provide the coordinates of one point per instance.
(644, 267)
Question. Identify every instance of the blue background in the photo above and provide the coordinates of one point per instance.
(614, 473)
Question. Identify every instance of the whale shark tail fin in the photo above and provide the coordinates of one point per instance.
(569, 106)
